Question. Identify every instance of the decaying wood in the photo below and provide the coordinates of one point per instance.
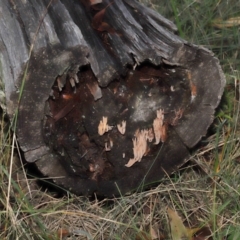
(85, 77)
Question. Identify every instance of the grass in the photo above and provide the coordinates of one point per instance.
(205, 191)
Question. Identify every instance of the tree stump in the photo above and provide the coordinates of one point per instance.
(106, 97)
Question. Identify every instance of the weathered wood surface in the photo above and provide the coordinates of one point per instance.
(66, 45)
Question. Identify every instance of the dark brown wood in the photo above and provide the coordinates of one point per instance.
(64, 68)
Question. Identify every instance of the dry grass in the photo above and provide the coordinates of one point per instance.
(200, 195)
(206, 191)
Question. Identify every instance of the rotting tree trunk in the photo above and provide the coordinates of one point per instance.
(93, 69)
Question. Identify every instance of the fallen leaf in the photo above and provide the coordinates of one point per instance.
(149, 234)
(178, 230)
(231, 22)
(153, 233)
(62, 233)
(143, 236)
(203, 233)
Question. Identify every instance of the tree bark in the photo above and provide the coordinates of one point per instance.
(67, 64)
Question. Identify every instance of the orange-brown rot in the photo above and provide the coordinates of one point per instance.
(150, 80)
(98, 23)
(124, 111)
(178, 115)
(96, 168)
(67, 96)
(189, 75)
(64, 111)
(164, 132)
(193, 87)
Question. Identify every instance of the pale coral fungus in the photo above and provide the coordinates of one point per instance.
(122, 127)
(103, 127)
(139, 147)
(158, 126)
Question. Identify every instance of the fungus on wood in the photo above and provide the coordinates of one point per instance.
(109, 99)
